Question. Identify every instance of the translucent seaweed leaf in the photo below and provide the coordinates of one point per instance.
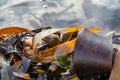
(67, 47)
(11, 30)
(63, 61)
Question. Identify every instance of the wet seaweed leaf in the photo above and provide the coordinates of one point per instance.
(60, 49)
(25, 64)
(11, 30)
(48, 47)
(52, 40)
(16, 66)
(63, 61)
(38, 37)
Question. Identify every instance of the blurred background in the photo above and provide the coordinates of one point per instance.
(33, 14)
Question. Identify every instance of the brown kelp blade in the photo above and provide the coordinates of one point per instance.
(11, 30)
(39, 36)
(58, 50)
(78, 28)
(92, 54)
